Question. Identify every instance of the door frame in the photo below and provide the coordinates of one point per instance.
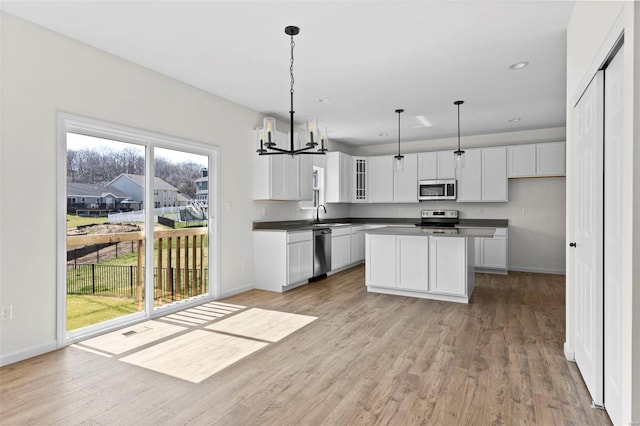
(613, 42)
(67, 122)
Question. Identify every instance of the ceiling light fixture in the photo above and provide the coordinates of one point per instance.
(324, 100)
(459, 153)
(399, 157)
(383, 134)
(423, 121)
(514, 120)
(269, 147)
(518, 65)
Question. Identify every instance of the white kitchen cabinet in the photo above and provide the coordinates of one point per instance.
(494, 174)
(338, 177)
(413, 263)
(448, 265)
(405, 181)
(360, 184)
(282, 260)
(357, 243)
(381, 265)
(484, 176)
(381, 179)
(340, 247)
(436, 165)
(300, 259)
(276, 177)
(550, 159)
(521, 161)
(470, 177)
(491, 253)
(536, 160)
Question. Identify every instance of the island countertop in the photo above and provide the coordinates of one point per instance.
(440, 232)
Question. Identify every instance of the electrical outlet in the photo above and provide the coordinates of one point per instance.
(264, 212)
(6, 312)
(525, 211)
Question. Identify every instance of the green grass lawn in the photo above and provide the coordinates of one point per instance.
(88, 310)
(73, 220)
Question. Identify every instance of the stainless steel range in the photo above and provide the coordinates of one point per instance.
(438, 218)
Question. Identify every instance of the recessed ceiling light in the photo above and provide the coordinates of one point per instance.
(324, 100)
(518, 65)
(514, 120)
(383, 134)
(423, 120)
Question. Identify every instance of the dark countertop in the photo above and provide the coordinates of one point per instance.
(295, 225)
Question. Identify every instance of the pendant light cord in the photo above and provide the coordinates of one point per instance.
(458, 127)
(399, 156)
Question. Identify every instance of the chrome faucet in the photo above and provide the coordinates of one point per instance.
(318, 212)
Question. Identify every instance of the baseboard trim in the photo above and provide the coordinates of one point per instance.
(235, 291)
(17, 356)
(537, 270)
(569, 354)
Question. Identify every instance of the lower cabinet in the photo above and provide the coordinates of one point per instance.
(448, 265)
(413, 267)
(340, 247)
(420, 266)
(357, 243)
(491, 253)
(299, 261)
(282, 260)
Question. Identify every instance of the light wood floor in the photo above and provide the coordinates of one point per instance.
(368, 358)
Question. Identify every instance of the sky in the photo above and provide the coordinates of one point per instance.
(76, 142)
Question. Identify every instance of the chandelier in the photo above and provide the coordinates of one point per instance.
(267, 133)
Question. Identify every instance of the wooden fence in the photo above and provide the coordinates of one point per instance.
(183, 266)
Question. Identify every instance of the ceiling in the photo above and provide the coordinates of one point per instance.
(368, 57)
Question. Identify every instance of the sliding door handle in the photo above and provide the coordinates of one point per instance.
(572, 244)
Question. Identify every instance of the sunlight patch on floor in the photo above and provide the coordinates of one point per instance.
(194, 356)
(131, 338)
(262, 324)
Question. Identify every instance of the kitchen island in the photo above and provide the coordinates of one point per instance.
(429, 263)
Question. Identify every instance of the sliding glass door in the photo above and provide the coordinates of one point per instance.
(181, 235)
(136, 226)
(105, 230)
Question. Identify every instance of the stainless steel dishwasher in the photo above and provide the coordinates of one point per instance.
(321, 252)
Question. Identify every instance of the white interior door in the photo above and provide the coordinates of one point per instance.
(613, 237)
(588, 234)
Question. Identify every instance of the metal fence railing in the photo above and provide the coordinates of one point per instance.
(120, 281)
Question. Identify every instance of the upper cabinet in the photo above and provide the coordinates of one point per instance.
(360, 180)
(277, 177)
(535, 160)
(381, 179)
(405, 180)
(484, 176)
(436, 165)
(338, 178)
(550, 159)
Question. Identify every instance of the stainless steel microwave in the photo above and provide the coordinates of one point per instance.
(443, 189)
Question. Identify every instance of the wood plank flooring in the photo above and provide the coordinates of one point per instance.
(367, 359)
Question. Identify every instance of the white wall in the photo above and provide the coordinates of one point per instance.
(590, 25)
(536, 214)
(43, 73)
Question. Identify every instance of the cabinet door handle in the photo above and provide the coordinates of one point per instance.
(572, 244)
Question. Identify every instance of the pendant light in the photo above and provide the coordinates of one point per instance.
(459, 154)
(399, 164)
(267, 133)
